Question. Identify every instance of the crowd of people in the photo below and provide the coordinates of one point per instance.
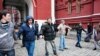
(9, 33)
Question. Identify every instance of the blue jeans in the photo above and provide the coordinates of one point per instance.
(30, 47)
(78, 39)
(8, 53)
(62, 42)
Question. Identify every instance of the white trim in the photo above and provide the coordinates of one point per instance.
(30, 6)
(97, 14)
(53, 10)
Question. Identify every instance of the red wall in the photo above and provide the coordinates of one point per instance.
(86, 9)
(96, 19)
(43, 9)
(1, 4)
(97, 6)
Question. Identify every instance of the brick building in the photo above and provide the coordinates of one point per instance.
(72, 11)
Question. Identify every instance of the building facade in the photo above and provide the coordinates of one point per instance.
(72, 11)
(76, 11)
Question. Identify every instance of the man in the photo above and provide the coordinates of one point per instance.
(96, 34)
(62, 29)
(79, 29)
(48, 31)
(28, 31)
(6, 34)
(37, 27)
(90, 31)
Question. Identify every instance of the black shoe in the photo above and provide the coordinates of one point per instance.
(55, 54)
(77, 45)
(80, 46)
(65, 48)
(61, 50)
(95, 49)
(46, 54)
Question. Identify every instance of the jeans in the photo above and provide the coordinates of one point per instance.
(30, 48)
(78, 39)
(62, 42)
(53, 47)
(8, 53)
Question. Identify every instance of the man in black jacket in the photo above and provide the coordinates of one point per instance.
(89, 32)
(48, 30)
(79, 29)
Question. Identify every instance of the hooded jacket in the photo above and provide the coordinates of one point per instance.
(28, 33)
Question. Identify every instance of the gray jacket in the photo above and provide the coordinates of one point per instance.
(6, 36)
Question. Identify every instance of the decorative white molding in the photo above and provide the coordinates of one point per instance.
(30, 6)
(97, 14)
(53, 10)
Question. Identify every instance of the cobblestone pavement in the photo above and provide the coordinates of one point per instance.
(71, 51)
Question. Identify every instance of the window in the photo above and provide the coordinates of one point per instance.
(69, 6)
(78, 6)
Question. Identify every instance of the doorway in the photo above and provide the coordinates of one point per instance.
(18, 9)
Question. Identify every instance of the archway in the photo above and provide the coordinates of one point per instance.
(19, 9)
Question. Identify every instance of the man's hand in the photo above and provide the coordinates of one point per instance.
(41, 36)
(16, 30)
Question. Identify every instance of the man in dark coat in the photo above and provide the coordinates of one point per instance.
(79, 29)
(48, 31)
(89, 32)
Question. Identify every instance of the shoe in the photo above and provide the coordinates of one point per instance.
(80, 46)
(46, 54)
(61, 50)
(56, 55)
(95, 49)
(65, 48)
(77, 45)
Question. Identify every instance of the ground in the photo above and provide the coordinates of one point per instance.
(87, 49)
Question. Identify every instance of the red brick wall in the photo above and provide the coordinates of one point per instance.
(43, 9)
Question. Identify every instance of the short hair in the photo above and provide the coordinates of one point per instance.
(3, 12)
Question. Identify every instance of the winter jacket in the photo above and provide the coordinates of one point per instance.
(48, 30)
(6, 36)
(28, 33)
(79, 29)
